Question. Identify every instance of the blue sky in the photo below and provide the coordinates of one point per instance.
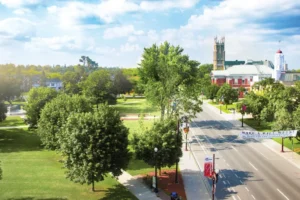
(114, 32)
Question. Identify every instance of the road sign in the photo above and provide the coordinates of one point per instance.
(208, 166)
(262, 135)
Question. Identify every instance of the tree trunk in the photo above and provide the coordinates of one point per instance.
(93, 186)
(159, 171)
(162, 112)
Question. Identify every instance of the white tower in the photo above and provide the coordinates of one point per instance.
(278, 65)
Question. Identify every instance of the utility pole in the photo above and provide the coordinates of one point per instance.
(177, 138)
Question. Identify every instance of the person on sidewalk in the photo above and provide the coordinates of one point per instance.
(174, 196)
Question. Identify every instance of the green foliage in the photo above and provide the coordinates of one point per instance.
(211, 91)
(55, 114)
(37, 99)
(0, 171)
(3, 110)
(163, 136)
(227, 94)
(165, 73)
(94, 144)
(9, 87)
(121, 84)
(70, 82)
(99, 87)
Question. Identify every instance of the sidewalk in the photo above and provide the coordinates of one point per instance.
(292, 157)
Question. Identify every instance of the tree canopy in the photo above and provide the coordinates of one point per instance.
(37, 99)
(166, 74)
(54, 115)
(94, 144)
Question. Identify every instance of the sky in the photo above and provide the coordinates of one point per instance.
(115, 32)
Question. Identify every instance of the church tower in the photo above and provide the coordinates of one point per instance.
(219, 54)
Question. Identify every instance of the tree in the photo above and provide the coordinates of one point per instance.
(162, 135)
(70, 82)
(120, 83)
(37, 99)
(55, 114)
(3, 110)
(0, 171)
(164, 72)
(228, 94)
(10, 87)
(211, 91)
(94, 144)
(98, 87)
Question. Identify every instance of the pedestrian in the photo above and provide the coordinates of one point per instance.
(174, 196)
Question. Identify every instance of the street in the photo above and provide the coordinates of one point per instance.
(248, 169)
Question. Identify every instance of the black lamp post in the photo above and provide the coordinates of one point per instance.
(155, 160)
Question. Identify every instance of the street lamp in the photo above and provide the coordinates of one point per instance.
(243, 109)
(155, 167)
(186, 129)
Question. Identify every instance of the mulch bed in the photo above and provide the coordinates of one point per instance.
(166, 182)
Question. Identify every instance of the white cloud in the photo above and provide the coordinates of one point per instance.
(121, 31)
(17, 28)
(167, 4)
(129, 47)
(22, 11)
(19, 3)
(52, 9)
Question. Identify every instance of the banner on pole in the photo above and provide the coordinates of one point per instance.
(208, 166)
(263, 135)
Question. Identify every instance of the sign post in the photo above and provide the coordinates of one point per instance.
(186, 131)
(209, 171)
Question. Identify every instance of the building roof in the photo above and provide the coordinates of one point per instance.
(54, 80)
(244, 70)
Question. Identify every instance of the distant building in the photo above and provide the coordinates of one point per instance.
(219, 54)
(51, 83)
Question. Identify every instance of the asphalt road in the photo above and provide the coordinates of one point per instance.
(248, 169)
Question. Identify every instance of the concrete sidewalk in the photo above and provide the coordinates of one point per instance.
(274, 146)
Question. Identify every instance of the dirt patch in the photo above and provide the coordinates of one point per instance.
(166, 182)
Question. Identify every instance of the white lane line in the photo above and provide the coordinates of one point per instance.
(220, 176)
(238, 197)
(228, 182)
(241, 182)
(253, 166)
(203, 148)
(224, 182)
(233, 197)
(234, 148)
(252, 196)
(282, 194)
(221, 136)
(247, 189)
(236, 176)
(233, 189)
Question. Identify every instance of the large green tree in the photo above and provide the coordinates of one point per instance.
(70, 82)
(3, 110)
(94, 144)
(37, 99)
(164, 73)
(163, 136)
(54, 115)
(227, 94)
(98, 86)
(211, 91)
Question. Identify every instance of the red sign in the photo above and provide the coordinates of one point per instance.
(208, 169)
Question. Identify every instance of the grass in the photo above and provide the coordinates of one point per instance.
(223, 107)
(29, 172)
(12, 121)
(136, 106)
(15, 103)
(288, 143)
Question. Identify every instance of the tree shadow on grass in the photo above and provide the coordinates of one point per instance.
(33, 198)
(14, 140)
(118, 192)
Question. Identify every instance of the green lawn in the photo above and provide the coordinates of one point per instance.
(223, 107)
(288, 143)
(29, 172)
(15, 103)
(136, 106)
(12, 121)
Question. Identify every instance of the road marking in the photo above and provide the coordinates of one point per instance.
(203, 148)
(241, 182)
(253, 166)
(252, 196)
(220, 175)
(224, 182)
(233, 189)
(234, 148)
(228, 182)
(236, 176)
(238, 197)
(247, 189)
(221, 136)
(233, 197)
(282, 194)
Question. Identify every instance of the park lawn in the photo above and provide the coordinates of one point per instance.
(223, 107)
(136, 106)
(15, 103)
(29, 172)
(138, 167)
(13, 121)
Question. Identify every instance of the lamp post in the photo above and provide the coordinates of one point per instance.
(186, 131)
(244, 107)
(177, 140)
(155, 167)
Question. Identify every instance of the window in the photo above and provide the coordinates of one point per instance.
(243, 81)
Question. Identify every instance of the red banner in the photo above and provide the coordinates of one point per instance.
(208, 169)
